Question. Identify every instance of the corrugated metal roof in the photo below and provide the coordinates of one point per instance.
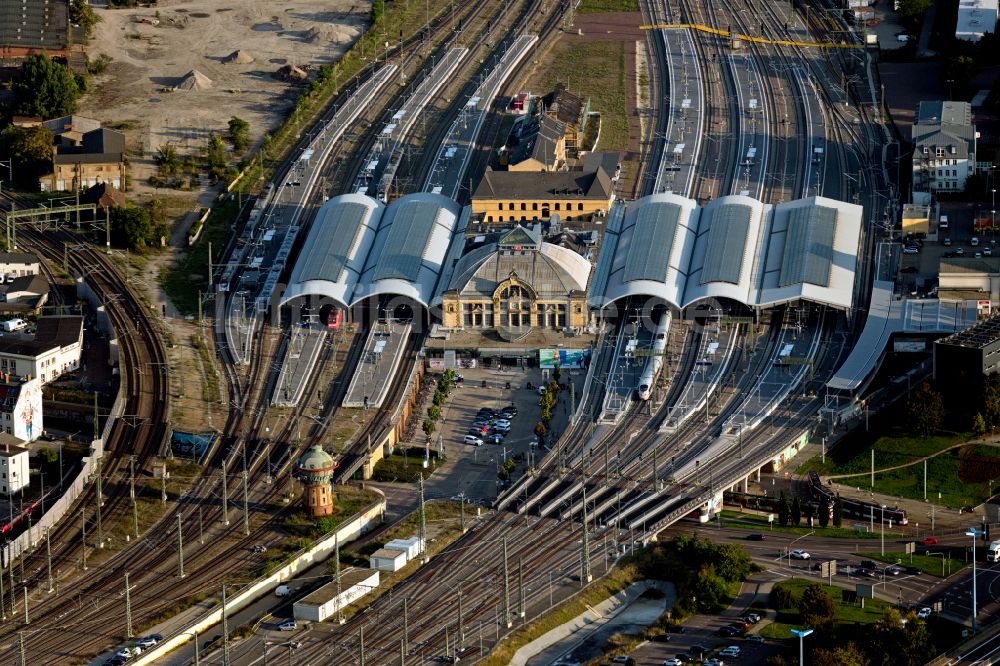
(808, 252)
(331, 239)
(407, 241)
(653, 238)
(727, 244)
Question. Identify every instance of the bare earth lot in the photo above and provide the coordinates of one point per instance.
(198, 35)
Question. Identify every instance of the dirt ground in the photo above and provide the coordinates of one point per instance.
(149, 59)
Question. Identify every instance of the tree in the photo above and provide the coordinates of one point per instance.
(912, 11)
(925, 410)
(733, 563)
(81, 14)
(540, 431)
(783, 510)
(978, 424)
(131, 227)
(434, 412)
(166, 158)
(991, 402)
(796, 511)
(816, 607)
(824, 513)
(438, 398)
(847, 655)
(215, 153)
(428, 428)
(239, 133)
(45, 88)
(30, 148)
(809, 512)
(838, 511)
(556, 374)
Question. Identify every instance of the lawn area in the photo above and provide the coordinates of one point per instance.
(962, 476)
(755, 523)
(595, 70)
(847, 613)
(935, 566)
(601, 6)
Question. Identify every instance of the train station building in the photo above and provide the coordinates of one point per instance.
(516, 283)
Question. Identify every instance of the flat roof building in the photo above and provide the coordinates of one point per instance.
(325, 603)
(975, 19)
(13, 465)
(962, 360)
(387, 559)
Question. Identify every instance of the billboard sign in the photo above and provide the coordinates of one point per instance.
(564, 358)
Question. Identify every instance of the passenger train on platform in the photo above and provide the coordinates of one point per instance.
(655, 360)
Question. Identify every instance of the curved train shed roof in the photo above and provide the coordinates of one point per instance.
(736, 248)
(357, 247)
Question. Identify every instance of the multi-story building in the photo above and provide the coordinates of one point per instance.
(54, 350)
(21, 408)
(540, 146)
(944, 149)
(18, 264)
(13, 466)
(962, 360)
(512, 196)
(98, 157)
(31, 27)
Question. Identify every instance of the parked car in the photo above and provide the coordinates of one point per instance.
(799, 555)
(487, 412)
(728, 632)
(684, 657)
(288, 625)
(485, 423)
(924, 613)
(508, 412)
(754, 638)
(473, 440)
(731, 651)
(910, 249)
(495, 438)
(477, 431)
(947, 241)
(713, 662)
(501, 428)
(753, 618)
(672, 662)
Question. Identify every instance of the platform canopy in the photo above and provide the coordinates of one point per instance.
(735, 248)
(357, 247)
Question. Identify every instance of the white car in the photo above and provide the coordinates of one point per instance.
(502, 423)
(731, 651)
(712, 662)
(924, 613)
(288, 625)
(799, 555)
(911, 250)
(673, 662)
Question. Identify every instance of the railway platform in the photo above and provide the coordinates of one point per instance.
(384, 349)
(304, 346)
(711, 363)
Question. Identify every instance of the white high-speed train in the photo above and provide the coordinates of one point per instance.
(655, 360)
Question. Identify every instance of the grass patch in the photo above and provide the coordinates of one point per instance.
(210, 380)
(595, 70)
(847, 614)
(187, 277)
(755, 523)
(601, 6)
(935, 566)
(962, 477)
(303, 529)
(405, 466)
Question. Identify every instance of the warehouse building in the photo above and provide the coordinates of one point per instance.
(963, 359)
(325, 603)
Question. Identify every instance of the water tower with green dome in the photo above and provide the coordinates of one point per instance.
(314, 469)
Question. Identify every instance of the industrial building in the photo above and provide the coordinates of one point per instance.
(944, 148)
(412, 546)
(32, 27)
(386, 559)
(324, 603)
(962, 360)
(13, 466)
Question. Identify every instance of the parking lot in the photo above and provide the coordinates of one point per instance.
(703, 631)
(473, 469)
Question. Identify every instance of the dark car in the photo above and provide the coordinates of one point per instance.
(892, 571)
(508, 414)
(868, 564)
(495, 438)
(478, 431)
(685, 657)
(700, 651)
(487, 412)
(867, 573)
(913, 571)
(481, 422)
(756, 536)
(729, 631)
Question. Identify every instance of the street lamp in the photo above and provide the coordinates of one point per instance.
(973, 532)
(801, 633)
(883, 530)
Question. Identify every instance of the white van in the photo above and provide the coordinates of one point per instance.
(943, 224)
(473, 440)
(993, 552)
(281, 591)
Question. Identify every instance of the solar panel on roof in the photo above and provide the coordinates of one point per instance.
(409, 234)
(727, 242)
(652, 240)
(808, 252)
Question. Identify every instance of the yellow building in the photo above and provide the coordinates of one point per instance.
(540, 146)
(516, 284)
(98, 157)
(511, 196)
